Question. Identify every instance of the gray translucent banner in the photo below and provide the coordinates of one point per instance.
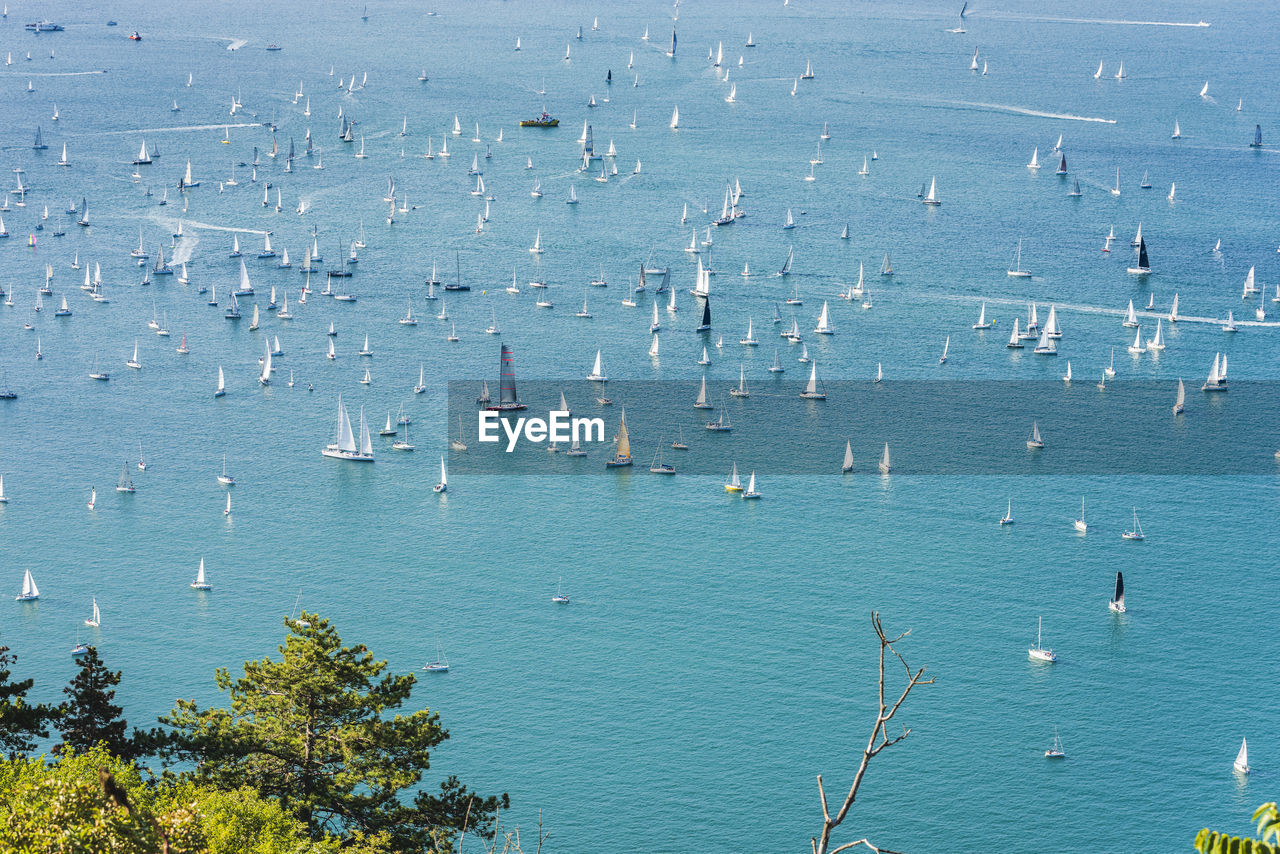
(945, 428)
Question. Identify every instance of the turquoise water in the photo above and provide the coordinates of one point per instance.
(717, 655)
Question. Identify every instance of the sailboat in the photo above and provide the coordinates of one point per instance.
(733, 484)
(741, 389)
(812, 391)
(1079, 524)
(824, 322)
(885, 465)
(560, 598)
(1035, 159)
(1136, 347)
(1217, 380)
(94, 621)
(846, 465)
(1035, 442)
(1007, 518)
(622, 452)
(701, 402)
(1055, 751)
(1143, 266)
(125, 484)
(1116, 602)
(1241, 765)
(751, 492)
(1179, 405)
(597, 370)
(133, 360)
(931, 198)
(30, 592)
(345, 446)
(1134, 533)
(1038, 652)
(1157, 343)
(1177, 131)
(942, 360)
(982, 323)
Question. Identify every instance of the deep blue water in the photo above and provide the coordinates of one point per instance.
(717, 654)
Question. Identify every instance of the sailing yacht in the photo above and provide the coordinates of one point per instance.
(1017, 272)
(1143, 267)
(812, 391)
(622, 452)
(1035, 442)
(1116, 602)
(1180, 404)
(597, 370)
(942, 360)
(733, 484)
(345, 446)
(30, 592)
(885, 466)
(982, 323)
(1136, 347)
(1241, 765)
(1079, 524)
(125, 484)
(1007, 518)
(741, 389)
(94, 621)
(751, 492)
(1055, 751)
(1038, 652)
(824, 322)
(931, 198)
(1134, 533)
(1035, 159)
(749, 340)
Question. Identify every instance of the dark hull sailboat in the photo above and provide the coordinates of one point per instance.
(507, 399)
(705, 325)
(1144, 263)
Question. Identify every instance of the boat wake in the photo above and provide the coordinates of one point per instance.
(1023, 111)
(169, 222)
(63, 73)
(182, 128)
(182, 254)
(1106, 21)
(235, 44)
(1081, 308)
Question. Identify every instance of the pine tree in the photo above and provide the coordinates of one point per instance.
(321, 731)
(20, 722)
(88, 717)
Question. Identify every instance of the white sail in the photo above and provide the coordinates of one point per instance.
(1242, 758)
(824, 322)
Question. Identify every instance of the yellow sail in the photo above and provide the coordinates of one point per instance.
(623, 454)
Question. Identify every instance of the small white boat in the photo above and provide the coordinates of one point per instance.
(1035, 442)
(201, 582)
(1241, 765)
(1007, 518)
(1055, 751)
(1079, 524)
(30, 592)
(1038, 652)
(1134, 533)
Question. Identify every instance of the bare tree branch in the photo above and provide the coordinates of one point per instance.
(877, 741)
